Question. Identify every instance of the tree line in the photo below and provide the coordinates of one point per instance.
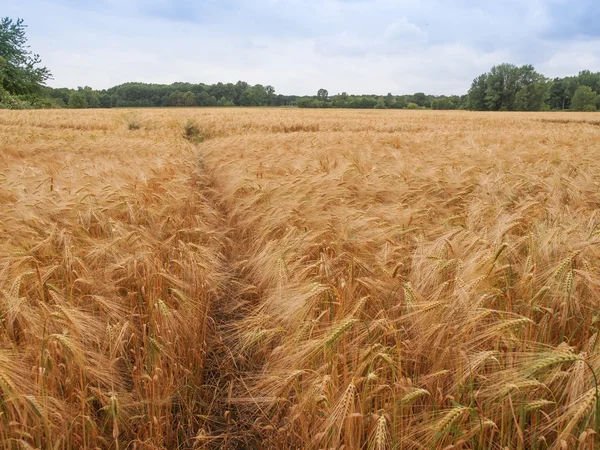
(238, 94)
(418, 100)
(133, 95)
(505, 87)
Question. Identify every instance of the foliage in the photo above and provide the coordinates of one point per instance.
(77, 100)
(584, 99)
(255, 96)
(8, 101)
(419, 98)
(323, 95)
(448, 103)
(178, 95)
(192, 132)
(242, 94)
(509, 88)
(20, 69)
(390, 101)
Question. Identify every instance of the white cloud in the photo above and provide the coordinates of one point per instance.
(572, 57)
(298, 46)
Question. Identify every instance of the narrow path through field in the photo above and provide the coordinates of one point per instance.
(226, 369)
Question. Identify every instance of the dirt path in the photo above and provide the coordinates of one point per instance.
(226, 369)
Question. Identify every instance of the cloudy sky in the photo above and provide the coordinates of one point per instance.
(299, 46)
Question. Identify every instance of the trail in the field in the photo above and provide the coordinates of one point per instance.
(226, 369)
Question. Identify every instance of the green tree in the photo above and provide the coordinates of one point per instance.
(401, 102)
(62, 95)
(303, 102)
(240, 88)
(419, 98)
(557, 97)
(507, 87)
(247, 98)
(502, 86)
(20, 69)
(584, 99)
(532, 90)
(176, 99)
(340, 100)
(323, 94)
(476, 96)
(366, 102)
(92, 97)
(390, 100)
(3, 70)
(202, 98)
(591, 79)
(254, 96)
(77, 100)
(189, 99)
(441, 103)
(270, 91)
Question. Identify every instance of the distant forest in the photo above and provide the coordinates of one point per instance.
(505, 87)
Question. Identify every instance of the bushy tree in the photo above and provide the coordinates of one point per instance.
(254, 96)
(477, 92)
(502, 84)
(584, 99)
(401, 102)
(590, 79)
(20, 69)
(532, 90)
(443, 103)
(77, 100)
(92, 97)
(558, 96)
(240, 88)
(419, 98)
(270, 91)
(389, 100)
(507, 87)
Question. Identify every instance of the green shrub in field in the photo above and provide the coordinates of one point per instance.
(192, 133)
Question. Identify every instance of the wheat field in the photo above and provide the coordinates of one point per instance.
(303, 279)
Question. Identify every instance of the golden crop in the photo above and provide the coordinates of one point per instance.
(299, 279)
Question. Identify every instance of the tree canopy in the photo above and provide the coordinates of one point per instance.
(507, 87)
(584, 99)
(20, 69)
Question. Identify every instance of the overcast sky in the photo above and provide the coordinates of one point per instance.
(299, 46)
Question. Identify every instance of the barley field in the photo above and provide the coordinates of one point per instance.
(302, 279)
